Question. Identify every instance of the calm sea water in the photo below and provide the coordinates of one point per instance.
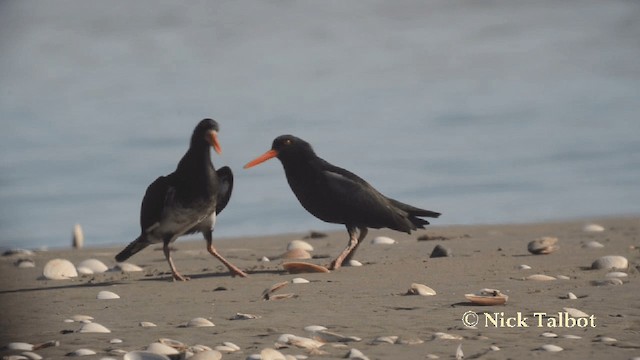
(487, 111)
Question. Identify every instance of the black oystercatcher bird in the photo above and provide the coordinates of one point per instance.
(336, 195)
(187, 200)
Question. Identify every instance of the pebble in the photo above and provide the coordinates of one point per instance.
(95, 265)
(543, 245)
(420, 289)
(593, 245)
(540, 277)
(93, 328)
(107, 295)
(59, 269)
(199, 322)
(593, 228)
(551, 348)
(610, 262)
(440, 251)
(383, 240)
(299, 244)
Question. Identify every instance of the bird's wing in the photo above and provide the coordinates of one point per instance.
(158, 195)
(225, 186)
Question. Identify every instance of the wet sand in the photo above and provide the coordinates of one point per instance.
(366, 302)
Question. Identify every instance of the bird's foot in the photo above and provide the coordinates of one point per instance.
(178, 277)
(237, 272)
(335, 265)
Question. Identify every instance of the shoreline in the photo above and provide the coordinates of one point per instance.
(366, 302)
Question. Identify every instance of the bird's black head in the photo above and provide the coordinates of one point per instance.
(206, 132)
(285, 148)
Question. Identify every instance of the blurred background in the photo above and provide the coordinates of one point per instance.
(486, 111)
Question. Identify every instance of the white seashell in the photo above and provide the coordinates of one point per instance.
(524, 267)
(328, 336)
(575, 312)
(299, 244)
(80, 318)
(19, 346)
(296, 254)
(610, 262)
(299, 280)
(593, 228)
(159, 348)
(420, 289)
(117, 352)
(354, 263)
(77, 240)
(147, 324)
(549, 335)
(231, 345)
(144, 355)
(571, 296)
(254, 357)
(271, 354)
(540, 277)
(356, 354)
(569, 336)
(543, 245)
(563, 277)
(445, 336)
(115, 341)
(93, 328)
(593, 245)
(265, 259)
(107, 295)
(199, 322)
(314, 328)
(82, 270)
(59, 269)
(81, 352)
(31, 355)
(242, 316)
(199, 348)
(459, 353)
(207, 355)
(25, 263)
(413, 341)
(616, 274)
(225, 349)
(95, 265)
(386, 340)
(609, 281)
(494, 348)
(383, 240)
(432, 356)
(605, 339)
(551, 348)
(127, 267)
(487, 297)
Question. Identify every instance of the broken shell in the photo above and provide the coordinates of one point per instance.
(231, 345)
(540, 277)
(207, 355)
(575, 312)
(32, 356)
(605, 339)
(571, 296)
(296, 254)
(354, 263)
(95, 265)
(147, 324)
(77, 240)
(494, 348)
(19, 346)
(160, 348)
(487, 297)
(299, 341)
(299, 280)
(593, 228)
(616, 274)
(543, 245)
(412, 341)
(144, 355)
(271, 354)
(610, 262)
(551, 348)
(199, 322)
(93, 328)
(266, 294)
(383, 240)
(459, 353)
(420, 289)
(299, 244)
(227, 347)
(81, 352)
(563, 277)
(107, 295)
(241, 316)
(593, 245)
(127, 267)
(356, 354)
(59, 269)
(302, 267)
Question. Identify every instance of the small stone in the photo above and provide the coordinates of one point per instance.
(299, 280)
(610, 262)
(354, 263)
(440, 251)
(593, 245)
(543, 245)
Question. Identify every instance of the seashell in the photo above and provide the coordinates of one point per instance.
(593, 245)
(413, 341)
(354, 263)
(199, 348)
(160, 348)
(241, 316)
(116, 341)
(494, 348)
(95, 265)
(127, 267)
(299, 280)
(356, 354)
(609, 281)
(266, 294)
(147, 324)
(296, 254)
(616, 274)
(610, 262)
(563, 277)
(59, 269)
(605, 339)
(571, 296)
(573, 337)
(459, 353)
(207, 355)
(432, 356)
(25, 263)
(231, 345)
(254, 357)
(440, 251)
(24, 252)
(302, 267)
(31, 355)
(82, 270)
(81, 352)
(328, 336)
(383, 240)
(46, 344)
(107, 295)
(420, 289)
(265, 259)
(271, 354)
(299, 244)
(281, 296)
(593, 228)
(144, 355)
(524, 267)
(487, 297)
(313, 328)
(77, 240)
(543, 245)
(549, 335)
(551, 348)
(385, 340)
(117, 352)
(225, 349)
(80, 318)
(540, 277)
(446, 336)
(199, 322)
(93, 328)
(299, 341)
(19, 346)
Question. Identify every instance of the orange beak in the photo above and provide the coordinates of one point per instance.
(262, 158)
(213, 141)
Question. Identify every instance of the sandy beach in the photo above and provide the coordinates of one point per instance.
(361, 303)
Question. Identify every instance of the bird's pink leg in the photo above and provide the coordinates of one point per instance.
(349, 250)
(361, 236)
(174, 271)
(234, 270)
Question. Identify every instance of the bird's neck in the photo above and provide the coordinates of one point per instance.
(196, 162)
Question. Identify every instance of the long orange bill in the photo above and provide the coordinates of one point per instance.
(213, 140)
(262, 158)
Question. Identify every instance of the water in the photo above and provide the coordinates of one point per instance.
(489, 112)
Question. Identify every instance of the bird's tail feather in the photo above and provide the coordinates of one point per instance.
(414, 211)
(131, 249)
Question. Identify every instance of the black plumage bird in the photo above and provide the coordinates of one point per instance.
(336, 195)
(187, 200)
